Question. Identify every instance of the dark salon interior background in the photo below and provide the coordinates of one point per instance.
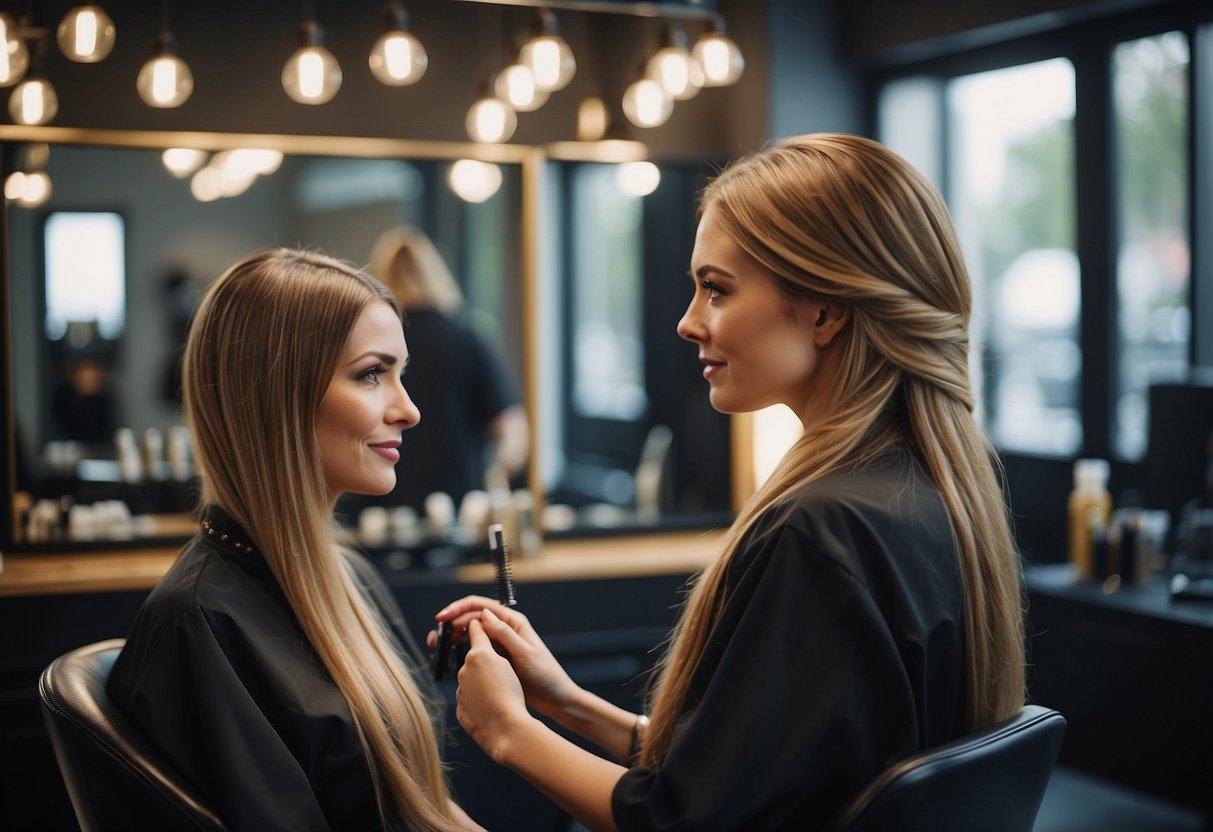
(1074, 144)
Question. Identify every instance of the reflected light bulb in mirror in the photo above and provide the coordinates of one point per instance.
(548, 56)
(591, 120)
(312, 75)
(491, 120)
(397, 58)
(86, 34)
(28, 190)
(182, 161)
(257, 161)
(165, 80)
(719, 58)
(646, 104)
(637, 178)
(474, 181)
(33, 101)
(14, 55)
(515, 85)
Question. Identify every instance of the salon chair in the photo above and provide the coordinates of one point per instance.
(993, 780)
(115, 778)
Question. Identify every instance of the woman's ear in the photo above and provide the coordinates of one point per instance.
(831, 318)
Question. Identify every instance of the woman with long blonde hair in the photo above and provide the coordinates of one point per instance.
(271, 665)
(866, 602)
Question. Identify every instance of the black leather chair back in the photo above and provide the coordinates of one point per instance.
(993, 781)
(115, 778)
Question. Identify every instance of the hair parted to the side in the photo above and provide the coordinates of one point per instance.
(407, 262)
(265, 342)
(843, 218)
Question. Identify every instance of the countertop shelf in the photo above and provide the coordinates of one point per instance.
(653, 553)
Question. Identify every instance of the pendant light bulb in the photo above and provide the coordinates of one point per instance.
(312, 75)
(398, 58)
(548, 56)
(14, 54)
(491, 120)
(646, 104)
(33, 101)
(515, 85)
(719, 58)
(86, 34)
(165, 80)
(674, 68)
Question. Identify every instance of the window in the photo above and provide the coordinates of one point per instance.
(85, 275)
(1011, 174)
(1150, 99)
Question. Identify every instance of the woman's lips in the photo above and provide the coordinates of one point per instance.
(388, 449)
(711, 368)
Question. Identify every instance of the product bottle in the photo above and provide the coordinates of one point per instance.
(1090, 504)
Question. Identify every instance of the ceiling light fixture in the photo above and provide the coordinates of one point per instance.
(14, 54)
(398, 58)
(646, 104)
(719, 58)
(490, 119)
(547, 54)
(86, 34)
(311, 75)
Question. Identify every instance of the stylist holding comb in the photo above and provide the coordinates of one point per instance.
(865, 604)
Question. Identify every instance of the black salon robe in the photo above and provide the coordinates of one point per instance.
(839, 651)
(218, 673)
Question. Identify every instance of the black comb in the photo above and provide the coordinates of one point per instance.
(500, 554)
(444, 657)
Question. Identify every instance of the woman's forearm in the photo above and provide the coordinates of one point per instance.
(579, 782)
(609, 727)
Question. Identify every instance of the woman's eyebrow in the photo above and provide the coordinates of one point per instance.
(384, 357)
(707, 268)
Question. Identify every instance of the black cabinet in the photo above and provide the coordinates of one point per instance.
(1132, 672)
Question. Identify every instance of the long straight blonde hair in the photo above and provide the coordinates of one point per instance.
(264, 345)
(842, 218)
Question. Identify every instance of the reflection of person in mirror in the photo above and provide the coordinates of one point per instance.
(271, 665)
(83, 403)
(865, 605)
(473, 419)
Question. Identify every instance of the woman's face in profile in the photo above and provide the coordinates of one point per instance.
(366, 407)
(755, 346)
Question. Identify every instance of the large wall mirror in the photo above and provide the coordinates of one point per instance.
(102, 277)
(576, 281)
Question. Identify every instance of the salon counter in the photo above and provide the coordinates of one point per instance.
(654, 553)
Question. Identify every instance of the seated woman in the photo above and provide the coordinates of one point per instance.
(866, 602)
(271, 665)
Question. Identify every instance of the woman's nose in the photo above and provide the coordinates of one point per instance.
(689, 327)
(404, 411)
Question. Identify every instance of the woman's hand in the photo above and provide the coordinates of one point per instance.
(547, 687)
(489, 702)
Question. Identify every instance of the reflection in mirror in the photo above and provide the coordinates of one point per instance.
(103, 276)
(630, 440)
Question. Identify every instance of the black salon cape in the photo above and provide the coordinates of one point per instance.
(839, 651)
(218, 673)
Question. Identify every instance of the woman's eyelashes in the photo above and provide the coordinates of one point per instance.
(372, 374)
(713, 289)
